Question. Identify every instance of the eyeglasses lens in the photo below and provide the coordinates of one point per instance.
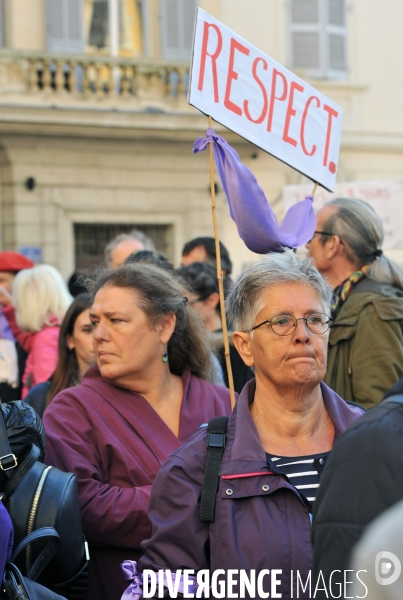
(283, 324)
(317, 323)
(286, 324)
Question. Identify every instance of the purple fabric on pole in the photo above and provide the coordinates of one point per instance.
(133, 576)
(256, 222)
(5, 330)
(172, 580)
(6, 538)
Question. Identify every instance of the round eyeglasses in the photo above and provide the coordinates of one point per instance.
(287, 324)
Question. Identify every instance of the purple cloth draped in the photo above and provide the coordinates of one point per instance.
(135, 589)
(5, 330)
(256, 222)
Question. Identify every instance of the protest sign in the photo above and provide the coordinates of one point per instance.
(256, 97)
(385, 197)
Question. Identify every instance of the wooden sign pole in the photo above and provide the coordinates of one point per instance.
(315, 187)
(220, 277)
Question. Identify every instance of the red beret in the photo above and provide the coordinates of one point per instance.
(13, 261)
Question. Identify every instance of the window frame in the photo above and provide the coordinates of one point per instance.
(64, 44)
(324, 29)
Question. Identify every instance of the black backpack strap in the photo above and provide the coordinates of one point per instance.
(8, 460)
(21, 471)
(45, 555)
(216, 438)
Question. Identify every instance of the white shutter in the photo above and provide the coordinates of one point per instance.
(318, 37)
(337, 52)
(337, 13)
(336, 39)
(306, 36)
(305, 50)
(64, 26)
(305, 11)
(177, 23)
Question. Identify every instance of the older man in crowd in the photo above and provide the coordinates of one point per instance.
(118, 249)
(202, 249)
(366, 340)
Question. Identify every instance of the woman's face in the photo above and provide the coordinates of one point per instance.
(81, 341)
(127, 346)
(296, 359)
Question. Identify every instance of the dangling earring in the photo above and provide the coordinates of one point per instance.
(165, 357)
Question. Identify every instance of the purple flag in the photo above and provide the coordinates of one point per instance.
(256, 222)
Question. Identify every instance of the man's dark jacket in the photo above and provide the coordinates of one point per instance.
(362, 478)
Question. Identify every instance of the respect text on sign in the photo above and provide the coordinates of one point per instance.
(255, 96)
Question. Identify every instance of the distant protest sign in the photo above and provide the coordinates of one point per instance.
(385, 197)
(256, 97)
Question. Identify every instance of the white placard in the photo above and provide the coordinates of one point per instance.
(253, 95)
(385, 197)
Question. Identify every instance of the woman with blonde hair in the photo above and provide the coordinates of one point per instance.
(40, 301)
(75, 354)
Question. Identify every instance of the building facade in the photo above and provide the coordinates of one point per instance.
(96, 134)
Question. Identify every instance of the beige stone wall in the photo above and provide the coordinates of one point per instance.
(84, 180)
(110, 180)
(100, 181)
(25, 24)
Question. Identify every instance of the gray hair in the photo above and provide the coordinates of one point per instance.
(134, 234)
(244, 301)
(361, 230)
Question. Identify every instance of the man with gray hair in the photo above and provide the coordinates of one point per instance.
(124, 244)
(366, 341)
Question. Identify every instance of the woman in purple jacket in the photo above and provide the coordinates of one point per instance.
(278, 438)
(148, 393)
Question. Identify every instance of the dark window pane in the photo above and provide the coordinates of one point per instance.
(91, 239)
(99, 24)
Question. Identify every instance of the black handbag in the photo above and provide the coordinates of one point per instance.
(38, 496)
(17, 587)
(24, 428)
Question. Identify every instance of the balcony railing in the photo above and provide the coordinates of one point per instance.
(41, 78)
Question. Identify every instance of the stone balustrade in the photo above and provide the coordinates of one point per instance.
(41, 77)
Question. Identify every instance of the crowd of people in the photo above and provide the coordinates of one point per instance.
(128, 373)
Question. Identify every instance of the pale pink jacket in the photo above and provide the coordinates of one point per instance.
(42, 348)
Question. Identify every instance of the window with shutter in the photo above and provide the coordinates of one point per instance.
(317, 37)
(64, 26)
(177, 23)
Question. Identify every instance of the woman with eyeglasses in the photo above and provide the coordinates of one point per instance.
(278, 438)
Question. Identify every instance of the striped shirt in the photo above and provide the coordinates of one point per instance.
(302, 471)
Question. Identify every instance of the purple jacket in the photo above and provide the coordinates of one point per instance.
(255, 527)
(115, 442)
